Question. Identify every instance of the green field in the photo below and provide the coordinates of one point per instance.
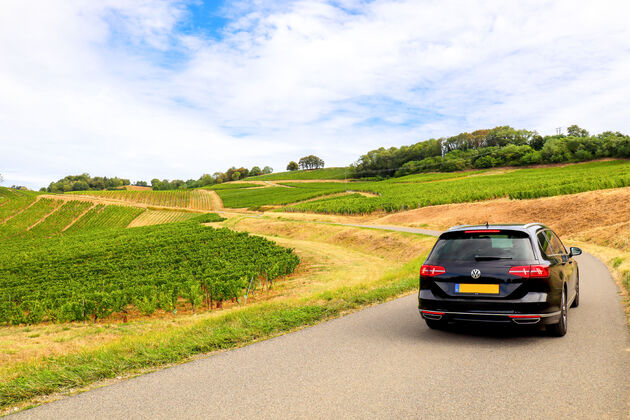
(106, 217)
(277, 195)
(13, 201)
(231, 186)
(190, 199)
(325, 173)
(26, 217)
(96, 274)
(421, 190)
(400, 194)
(60, 219)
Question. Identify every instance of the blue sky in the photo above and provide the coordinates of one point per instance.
(174, 89)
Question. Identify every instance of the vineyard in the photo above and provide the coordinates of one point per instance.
(26, 218)
(12, 201)
(324, 173)
(158, 217)
(189, 199)
(409, 193)
(285, 194)
(60, 219)
(106, 217)
(232, 186)
(96, 274)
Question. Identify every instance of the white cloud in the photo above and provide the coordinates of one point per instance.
(83, 85)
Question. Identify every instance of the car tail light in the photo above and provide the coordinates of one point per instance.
(530, 271)
(539, 271)
(431, 270)
(482, 231)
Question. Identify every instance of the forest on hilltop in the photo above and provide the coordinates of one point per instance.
(488, 148)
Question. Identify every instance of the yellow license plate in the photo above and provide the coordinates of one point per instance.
(477, 288)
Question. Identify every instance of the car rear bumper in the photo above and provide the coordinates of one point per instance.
(533, 308)
(490, 317)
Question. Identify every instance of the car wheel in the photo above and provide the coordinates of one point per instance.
(434, 324)
(576, 301)
(560, 329)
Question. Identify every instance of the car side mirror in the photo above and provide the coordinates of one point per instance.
(575, 251)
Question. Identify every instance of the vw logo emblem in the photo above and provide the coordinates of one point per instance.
(475, 274)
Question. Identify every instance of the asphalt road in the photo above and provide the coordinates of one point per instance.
(383, 362)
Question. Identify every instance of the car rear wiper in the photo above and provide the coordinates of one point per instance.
(491, 257)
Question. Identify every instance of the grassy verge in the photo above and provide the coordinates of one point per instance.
(28, 381)
(618, 263)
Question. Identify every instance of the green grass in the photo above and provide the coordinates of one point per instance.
(232, 329)
(395, 195)
(325, 173)
(231, 186)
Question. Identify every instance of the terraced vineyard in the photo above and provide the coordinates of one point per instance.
(158, 217)
(278, 195)
(13, 201)
(401, 194)
(60, 219)
(190, 199)
(106, 217)
(96, 274)
(27, 217)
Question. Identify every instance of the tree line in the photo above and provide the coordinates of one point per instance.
(85, 182)
(488, 148)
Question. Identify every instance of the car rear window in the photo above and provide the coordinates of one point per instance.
(481, 246)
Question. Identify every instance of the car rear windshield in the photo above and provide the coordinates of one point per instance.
(482, 246)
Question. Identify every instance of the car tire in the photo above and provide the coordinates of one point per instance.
(560, 329)
(434, 324)
(576, 301)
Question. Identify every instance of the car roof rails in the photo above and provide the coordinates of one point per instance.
(459, 227)
(527, 226)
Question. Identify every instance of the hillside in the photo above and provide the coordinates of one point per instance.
(145, 272)
(421, 190)
(324, 173)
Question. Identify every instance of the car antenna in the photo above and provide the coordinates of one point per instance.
(487, 225)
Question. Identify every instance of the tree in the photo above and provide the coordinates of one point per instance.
(267, 170)
(311, 162)
(575, 131)
(255, 171)
(141, 184)
(292, 166)
(236, 176)
(1, 179)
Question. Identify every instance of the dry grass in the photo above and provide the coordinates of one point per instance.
(600, 217)
(394, 246)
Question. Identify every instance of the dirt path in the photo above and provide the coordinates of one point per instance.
(217, 203)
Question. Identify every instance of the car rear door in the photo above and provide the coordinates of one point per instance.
(568, 268)
(554, 257)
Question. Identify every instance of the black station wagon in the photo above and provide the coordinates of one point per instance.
(518, 274)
